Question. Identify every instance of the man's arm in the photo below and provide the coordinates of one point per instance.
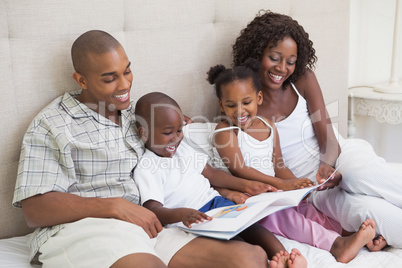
(56, 208)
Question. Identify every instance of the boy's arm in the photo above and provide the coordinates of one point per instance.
(172, 215)
(222, 179)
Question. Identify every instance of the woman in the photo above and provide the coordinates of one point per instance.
(293, 100)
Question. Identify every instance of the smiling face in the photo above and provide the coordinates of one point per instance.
(239, 101)
(278, 63)
(106, 82)
(165, 134)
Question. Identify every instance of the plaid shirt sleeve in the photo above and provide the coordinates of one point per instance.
(44, 163)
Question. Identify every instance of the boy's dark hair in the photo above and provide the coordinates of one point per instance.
(219, 75)
(268, 28)
(144, 106)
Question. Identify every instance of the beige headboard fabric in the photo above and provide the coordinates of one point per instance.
(171, 43)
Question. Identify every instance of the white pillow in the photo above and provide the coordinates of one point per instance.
(197, 135)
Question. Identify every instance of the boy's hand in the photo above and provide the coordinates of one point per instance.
(190, 216)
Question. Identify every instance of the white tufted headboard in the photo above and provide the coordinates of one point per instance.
(171, 44)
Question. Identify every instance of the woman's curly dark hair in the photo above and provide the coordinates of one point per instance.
(268, 28)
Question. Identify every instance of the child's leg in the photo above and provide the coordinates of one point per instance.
(293, 225)
(311, 212)
(258, 235)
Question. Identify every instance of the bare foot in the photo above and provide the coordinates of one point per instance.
(376, 244)
(345, 249)
(293, 260)
(296, 259)
(279, 260)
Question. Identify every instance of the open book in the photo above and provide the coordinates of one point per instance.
(231, 220)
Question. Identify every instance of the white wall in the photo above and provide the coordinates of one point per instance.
(371, 36)
(370, 52)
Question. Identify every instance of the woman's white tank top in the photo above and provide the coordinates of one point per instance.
(298, 141)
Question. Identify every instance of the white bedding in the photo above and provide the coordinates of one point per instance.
(14, 253)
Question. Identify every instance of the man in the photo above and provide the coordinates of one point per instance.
(74, 180)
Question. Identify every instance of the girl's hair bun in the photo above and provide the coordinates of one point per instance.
(252, 64)
(214, 72)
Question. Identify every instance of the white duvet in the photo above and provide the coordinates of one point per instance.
(14, 253)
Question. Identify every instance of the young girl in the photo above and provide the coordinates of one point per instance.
(248, 145)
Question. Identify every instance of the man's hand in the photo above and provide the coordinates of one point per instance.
(54, 208)
(138, 215)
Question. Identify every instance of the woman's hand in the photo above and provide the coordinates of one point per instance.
(324, 171)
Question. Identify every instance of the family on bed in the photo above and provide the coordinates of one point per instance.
(85, 183)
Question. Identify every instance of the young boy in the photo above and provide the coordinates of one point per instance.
(173, 179)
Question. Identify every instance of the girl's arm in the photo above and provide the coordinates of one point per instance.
(222, 179)
(234, 196)
(227, 146)
(172, 215)
(309, 88)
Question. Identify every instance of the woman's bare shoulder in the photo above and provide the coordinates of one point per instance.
(306, 82)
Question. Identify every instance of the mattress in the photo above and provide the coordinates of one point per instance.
(14, 253)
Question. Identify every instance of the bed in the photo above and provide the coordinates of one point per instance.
(178, 41)
(14, 253)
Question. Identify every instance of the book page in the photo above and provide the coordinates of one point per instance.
(229, 221)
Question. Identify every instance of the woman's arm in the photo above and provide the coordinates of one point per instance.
(329, 147)
(54, 208)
